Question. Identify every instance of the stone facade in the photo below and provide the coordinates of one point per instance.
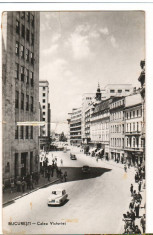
(20, 92)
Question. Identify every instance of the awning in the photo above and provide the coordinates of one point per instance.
(99, 151)
(92, 150)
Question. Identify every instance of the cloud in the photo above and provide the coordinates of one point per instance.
(113, 42)
(50, 50)
(56, 37)
(104, 31)
(79, 45)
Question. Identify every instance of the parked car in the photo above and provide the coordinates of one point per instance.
(73, 156)
(85, 169)
(57, 197)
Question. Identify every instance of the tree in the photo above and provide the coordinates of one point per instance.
(62, 137)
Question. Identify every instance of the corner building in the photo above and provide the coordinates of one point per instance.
(20, 93)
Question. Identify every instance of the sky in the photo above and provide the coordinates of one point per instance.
(80, 49)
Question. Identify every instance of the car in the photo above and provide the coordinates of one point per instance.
(73, 156)
(57, 197)
(85, 169)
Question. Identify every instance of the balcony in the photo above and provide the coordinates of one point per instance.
(133, 133)
(134, 149)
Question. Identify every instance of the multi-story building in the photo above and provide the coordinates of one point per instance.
(117, 129)
(20, 93)
(117, 90)
(133, 128)
(75, 126)
(99, 129)
(46, 112)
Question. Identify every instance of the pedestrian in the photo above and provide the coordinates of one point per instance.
(132, 216)
(139, 186)
(139, 197)
(48, 175)
(125, 168)
(97, 159)
(137, 230)
(65, 176)
(137, 207)
(143, 222)
(61, 162)
(131, 189)
(23, 185)
(129, 164)
(131, 205)
(61, 176)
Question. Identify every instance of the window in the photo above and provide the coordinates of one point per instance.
(127, 142)
(27, 54)
(137, 126)
(32, 20)
(31, 132)
(133, 113)
(21, 132)
(43, 119)
(27, 132)
(22, 101)
(31, 104)
(16, 99)
(32, 39)
(137, 113)
(134, 126)
(22, 14)
(32, 58)
(27, 35)
(43, 106)
(22, 51)
(27, 102)
(112, 91)
(17, 27)
(130, 127)
(127, 115)
(43, 113)
(22, 73)
(119, 91)
(130, 114)
(17, 48)
(134, 142)
(16, 132)
(27, 76)
(43, 88)
(31, 78)
(127, 90)
(17, 71)
(27, 16)
(43, 100)
(44, 94)
(23, 31)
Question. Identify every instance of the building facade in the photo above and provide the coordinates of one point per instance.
(75, 126)
(117, 90)
(117, 129)
(20, 93)
(133, 129)
(46, 114)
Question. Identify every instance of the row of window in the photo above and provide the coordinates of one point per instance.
(115, 116)
(133, 142)
(25, 15)
(100, 126)
(135, 126)
(117, 128)
(133, 114)
(24, 74)
(118, 91)
(117, 142)
(117, 104)
(25, 33)
(24, 53)
(99, 137)
(24, 132)
(28, 104)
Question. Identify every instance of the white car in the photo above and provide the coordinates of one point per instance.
(57, 197)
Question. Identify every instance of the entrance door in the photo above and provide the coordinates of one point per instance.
(23, 163)
(16, 165)
(31, 162)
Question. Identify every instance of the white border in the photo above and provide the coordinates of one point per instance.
(148, 8)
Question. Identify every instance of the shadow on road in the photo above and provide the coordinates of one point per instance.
(75, 173)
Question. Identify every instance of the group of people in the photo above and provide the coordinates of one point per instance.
(135, 205)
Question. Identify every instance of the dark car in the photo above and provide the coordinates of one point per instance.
(72, 156)
(85, 169)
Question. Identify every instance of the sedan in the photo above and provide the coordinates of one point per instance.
(73, 157)
(57, 197)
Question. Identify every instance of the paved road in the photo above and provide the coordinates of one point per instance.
(95, 204)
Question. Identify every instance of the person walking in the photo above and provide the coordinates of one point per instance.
(131, 189)
(143, 222)
(125, 168)
(61, 162)
(137, 230)
(137, 207)
(139, 186)
(132, 216)
(65, 176)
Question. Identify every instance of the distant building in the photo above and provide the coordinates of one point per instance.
(117, 90)
(133, 129)
(75, 126)
(46, 112)
(117, 129)
(20, 93)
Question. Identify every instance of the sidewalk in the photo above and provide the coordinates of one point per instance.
(9, 197)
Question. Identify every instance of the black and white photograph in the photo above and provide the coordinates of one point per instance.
(73, 122)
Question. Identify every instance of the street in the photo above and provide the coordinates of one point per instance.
(95, 203)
